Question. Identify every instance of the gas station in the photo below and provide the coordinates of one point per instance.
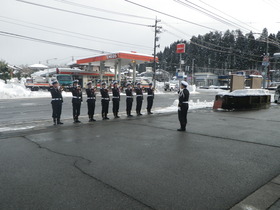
(115, 60)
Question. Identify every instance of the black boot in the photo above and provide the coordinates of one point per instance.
(130, 115)
(106, 118)
(116, 115)
(59, 122)
(77, 120)
(149, 112)
(54, 121)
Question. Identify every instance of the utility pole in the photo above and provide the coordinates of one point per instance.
(265, 68)
(193, 71)
(157, 31)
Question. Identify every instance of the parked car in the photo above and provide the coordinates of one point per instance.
(277, 95)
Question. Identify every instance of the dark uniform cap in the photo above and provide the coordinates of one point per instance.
(103, 83)
(150, 83)
(138, 83)
(54, 82)
(114, 83)
(89, 83)
(128, 84)
(76, 81)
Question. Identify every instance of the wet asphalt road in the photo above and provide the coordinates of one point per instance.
(143, 163)
(21, 111)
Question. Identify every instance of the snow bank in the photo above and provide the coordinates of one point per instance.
(192, 105)
(15, 89)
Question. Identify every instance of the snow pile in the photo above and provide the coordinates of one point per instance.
(14, 89)
(192, 105)
(192, 89)
(249, 92)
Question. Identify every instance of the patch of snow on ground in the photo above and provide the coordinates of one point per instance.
(3, 129)
(192, 105)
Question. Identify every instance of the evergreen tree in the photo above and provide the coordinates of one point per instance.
(4, 71)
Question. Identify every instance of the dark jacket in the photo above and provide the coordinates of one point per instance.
(150, 93)
(116, 94)
(104, 94)
(90, 94)
(56, 95)
(77, 95)
(183, 96)
(139, 93)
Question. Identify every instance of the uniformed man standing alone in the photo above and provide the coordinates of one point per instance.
(129, 100)
(90, 101)
(56, 103)
(183, 105)
(105, 99)
(116, 99)
(139, 98)
(76, 101)
(150, 98)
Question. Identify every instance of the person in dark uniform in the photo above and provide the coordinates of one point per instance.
(139, 98)
(57, 101)
(76, 100)
(105, 99)
(116, 99)
(150, 98)
(183, 105)
(129, 100)
(90, 101)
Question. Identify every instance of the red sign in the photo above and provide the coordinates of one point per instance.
(180, 48)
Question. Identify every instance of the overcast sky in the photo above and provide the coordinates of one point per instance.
(18, 18)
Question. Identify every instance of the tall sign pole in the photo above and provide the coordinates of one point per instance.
(180, 49)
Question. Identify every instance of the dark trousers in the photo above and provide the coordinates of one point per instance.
(105, 107)
(138, 104)
(150, 102)
(182, 115)
(56, 107)
(76, 110)
(116, 105)
(91, 107)
(129, 102)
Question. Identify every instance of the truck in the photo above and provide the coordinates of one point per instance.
(43, 82)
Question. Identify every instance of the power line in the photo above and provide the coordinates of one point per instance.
(82, 14)
(163, 13)
(227, 15)
(101, 10)
(8, 34)
(209, 13)
(57, 31)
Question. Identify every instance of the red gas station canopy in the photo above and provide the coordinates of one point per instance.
(125, 57)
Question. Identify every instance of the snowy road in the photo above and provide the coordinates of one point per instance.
(34, 111)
